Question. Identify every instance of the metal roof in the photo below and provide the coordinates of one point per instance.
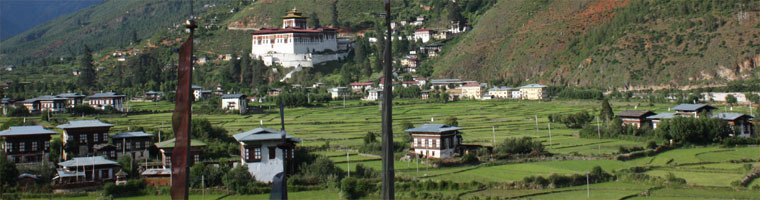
(5, 100)
(26, 130)
(87, 161)
(533, 86)
(50, 98)
(84, 124)
(64, 174)
(445, 81)
(692, 107)
(635, 113)
(70, 95)
(157, 172)
(106, 95)
(662, 116)
(131, 135)
(433, 128)
(260, 134)
(502, 88)
(233, 96)
(197, 87)
(730, 116)
(170, 143)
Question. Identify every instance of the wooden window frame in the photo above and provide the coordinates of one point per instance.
(272, 152)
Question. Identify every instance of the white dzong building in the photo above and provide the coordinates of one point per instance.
(296, 45)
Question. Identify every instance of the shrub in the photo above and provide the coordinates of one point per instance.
(238, 179)
(651, 145)
(353, 188)
(576, 120)
(523, 145)
(132, 187)
(366, 172)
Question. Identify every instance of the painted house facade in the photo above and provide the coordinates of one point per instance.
(85, 134)
(26, 144)
(236, 102)
(424, 34)
(261, 149)
(500, 92)
(472, 90)
(72, 99)
(636, 118)
(435, 140)
(102, 100)
(374, 95)
(135, 144)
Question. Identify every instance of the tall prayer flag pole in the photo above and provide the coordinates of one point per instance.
(182, 117)
(388, 172)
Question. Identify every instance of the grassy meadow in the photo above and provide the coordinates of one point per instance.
(709, 170)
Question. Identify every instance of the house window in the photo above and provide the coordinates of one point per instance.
(197, 158)
(257, 153)
(105, 135)
(34, 146)
(272, 152)
(247, 154)
(8, 147)
(83, 139)
(435, 143)
(147, 144)
(47, 145)
(137, 145)
(118, 146)
(113, 154)
(128, 146)
(21, 146)
(95, 137)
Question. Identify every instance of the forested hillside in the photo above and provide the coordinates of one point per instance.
(17, 16)
(609, 43)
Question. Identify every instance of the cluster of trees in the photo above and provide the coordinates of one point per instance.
(524, 145)
(572, 120)
(299, 98)
(412, 92)
(580, 93)
(597, 175)
(689, 130)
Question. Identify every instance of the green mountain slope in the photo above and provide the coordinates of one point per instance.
(609, 43)
(110, 24)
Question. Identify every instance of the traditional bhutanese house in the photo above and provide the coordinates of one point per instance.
(32, 105)
(166, 148)
(7, 103)
(134, 144)
(106, 150)
(197, 92)
(85, 134)
(274, 92)
(153, 95)
(454, 94)
(52, 103)
(694, 110)
(382, 84)
(358, 87)
(86, 169)
(636, 118)
(103, 100)
(410, 63)
(435, 140)
(261, 149)
(656, 119)
(157, 177)
(425, 94)
(432, 50)
(236, 102)
(72, 99)
(26, 144)
(740, 123)
(374, 95)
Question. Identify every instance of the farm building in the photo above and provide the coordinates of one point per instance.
(435, 140)
(26, 144)
(636, 118)
(264, 152)
(235, 102)
(85, 134)
(741, 124)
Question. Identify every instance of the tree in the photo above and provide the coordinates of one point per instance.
(606, 114)
(353, 188)
(370, 137)
(314, 21)
(55, 150)
(238, 179)
(454, 14)
(245, 70)
(452, 121)
(406, 125)
(87, 71)
(731, 99)
(126, 163)
(8, 172)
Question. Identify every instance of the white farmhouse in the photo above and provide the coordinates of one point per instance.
(295, 44)
(424, 34)
(261, 150)
(235, 102)
(102, 100)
